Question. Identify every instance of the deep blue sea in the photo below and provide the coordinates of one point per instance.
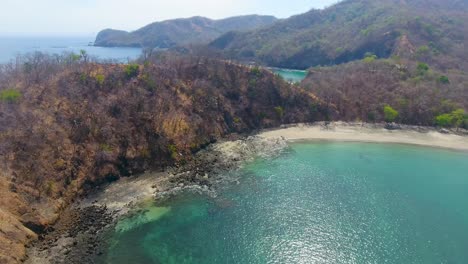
(11, 46)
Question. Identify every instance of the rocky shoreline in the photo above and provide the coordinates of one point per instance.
(81, 234)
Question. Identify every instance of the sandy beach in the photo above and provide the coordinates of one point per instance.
(374, 133)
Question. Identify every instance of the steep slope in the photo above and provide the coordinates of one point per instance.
(420, 94)
(68, 125)
(170, 33)
(352, 28)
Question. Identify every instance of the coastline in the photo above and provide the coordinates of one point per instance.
(102, 209)
(371, 133)
(81, 233)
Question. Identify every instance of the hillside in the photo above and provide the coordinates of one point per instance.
(175, 32)
(372, 59)
(352, 28)
(420, 94)
(67, 124)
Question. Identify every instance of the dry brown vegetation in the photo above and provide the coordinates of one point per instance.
(360, 90)
(66, 124)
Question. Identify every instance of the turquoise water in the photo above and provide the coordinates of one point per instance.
(318, 203)
(291, 75)
(12, 46)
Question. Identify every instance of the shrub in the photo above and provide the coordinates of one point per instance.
(465, 122)
(83, 78)
(422, 50)
(173, 151)
(444, 120)
(10, 95)
(369, 57)
(422, 68)
(279, 111)
(456, 118)
(74, 57)
(50, 187)
(150, 83)
(256, 71)
(444, 79)
(100, 79)
(105, 147)
(390, 114)
(132, 70)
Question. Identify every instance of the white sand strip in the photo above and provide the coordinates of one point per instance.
(361, 132)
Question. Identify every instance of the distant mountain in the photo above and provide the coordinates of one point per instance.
(352, 28)
(175, 32)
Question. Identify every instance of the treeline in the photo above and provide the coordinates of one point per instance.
(393, 90)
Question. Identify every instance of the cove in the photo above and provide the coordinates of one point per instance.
(318, 202)
(290, 75)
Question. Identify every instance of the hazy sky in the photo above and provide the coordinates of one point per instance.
(72, 17)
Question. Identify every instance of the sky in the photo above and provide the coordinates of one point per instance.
(87, 17)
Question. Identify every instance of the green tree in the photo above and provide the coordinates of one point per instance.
(422, 68)
(132, 70)
(390, 114)
(444, 79)
(444, 120)
(465, 122)
(10, 95)
(100, 78)
(456, 118)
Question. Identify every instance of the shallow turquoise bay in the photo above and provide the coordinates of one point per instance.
(319, 202)
(291, 75)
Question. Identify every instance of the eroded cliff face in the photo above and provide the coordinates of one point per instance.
(76, 125)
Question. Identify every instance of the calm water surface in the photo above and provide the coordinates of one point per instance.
(291, 75)
(10, 47)
(317, 203)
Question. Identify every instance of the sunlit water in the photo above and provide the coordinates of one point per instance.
(317, 203)
(10, 47)
(293, 76)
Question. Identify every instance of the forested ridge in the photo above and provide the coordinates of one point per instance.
(348, 30)
(184, 31)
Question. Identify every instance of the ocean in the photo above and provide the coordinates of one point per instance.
(10, 47)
